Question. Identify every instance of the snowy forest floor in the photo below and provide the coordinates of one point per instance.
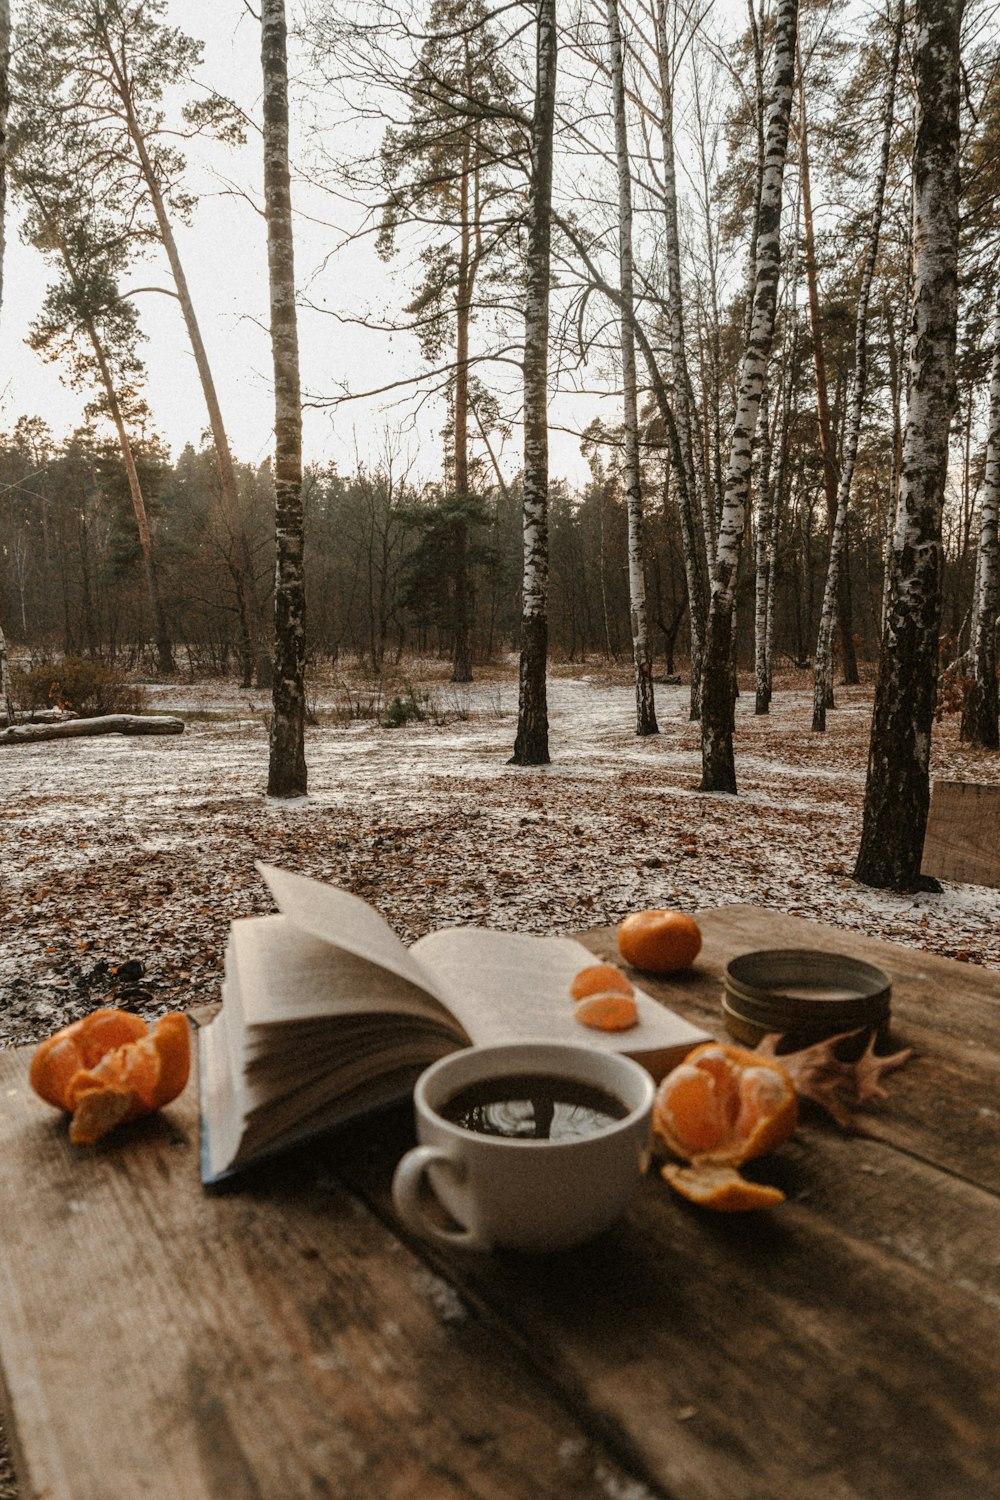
(122, 860)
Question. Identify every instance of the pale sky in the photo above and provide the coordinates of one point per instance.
(224, 254)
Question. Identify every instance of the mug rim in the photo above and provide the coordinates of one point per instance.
(627, 1122)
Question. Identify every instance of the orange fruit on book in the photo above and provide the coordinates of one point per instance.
(109, 1067)
(608, 1012)
(721, 1107)
(659, 942)
(600, 979)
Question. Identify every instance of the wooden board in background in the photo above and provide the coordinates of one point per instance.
(962, 842)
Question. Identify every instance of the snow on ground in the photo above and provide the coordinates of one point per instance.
(117, 853)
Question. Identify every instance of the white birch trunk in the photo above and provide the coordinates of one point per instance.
(762, 546)
(897, 791)
(287, 765)
(645, 712)
(5, 694)
(980, 719)
(697, 542)
(823, 680)
(531, 744)
(718, 767)
(4, 100)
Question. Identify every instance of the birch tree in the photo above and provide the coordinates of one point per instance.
(531, 744)
(645, 711)
(685, 414)
(287, 767)
(717, 718)
(823, 681)
(4, 101)
(980, 716)
(897, 789)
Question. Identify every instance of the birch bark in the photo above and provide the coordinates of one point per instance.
(645, 711)
(4, 102)
(980, 717)
(717, 717)
(823, 682)
(287, 768)
(897, 790)
(695, 557)
(531, 744)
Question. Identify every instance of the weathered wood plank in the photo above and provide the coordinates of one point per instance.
(270, 1343)
(943, 1104)
(21, 734)
(962, 841)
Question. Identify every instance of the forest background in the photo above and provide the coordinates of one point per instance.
(664, 220)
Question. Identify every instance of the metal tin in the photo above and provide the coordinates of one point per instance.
(807, 995)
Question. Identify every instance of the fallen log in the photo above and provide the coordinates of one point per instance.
(39, 716)
(20, 734)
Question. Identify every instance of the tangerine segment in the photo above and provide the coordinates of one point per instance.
(659, 942)
(724, 1105)
(719, 1187)
(109, 1067)
(600, 979)
(609, 1012)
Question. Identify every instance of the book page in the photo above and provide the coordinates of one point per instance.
(285, 976)
(512, 986)
(335, 916)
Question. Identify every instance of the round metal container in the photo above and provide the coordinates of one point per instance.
(807, 995)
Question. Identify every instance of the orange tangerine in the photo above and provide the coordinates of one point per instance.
(719, 1108)
(110, 1067)
(721, 1188)
(659, 942)
(609, 1012)
(600, 979)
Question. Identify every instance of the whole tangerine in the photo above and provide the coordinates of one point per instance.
(659, 942)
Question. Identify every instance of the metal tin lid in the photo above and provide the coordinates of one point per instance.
(784, 987)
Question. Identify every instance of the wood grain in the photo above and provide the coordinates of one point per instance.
(962, 841)
(272, 1343)
(287, 1338)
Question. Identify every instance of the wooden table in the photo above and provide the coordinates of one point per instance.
(288, 1340)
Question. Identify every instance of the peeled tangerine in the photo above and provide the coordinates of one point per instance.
(109, 1067)
(722, 1106)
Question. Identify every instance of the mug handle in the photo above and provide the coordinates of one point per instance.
(406, 1185)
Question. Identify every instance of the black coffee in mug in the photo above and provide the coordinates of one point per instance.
(533, 1106)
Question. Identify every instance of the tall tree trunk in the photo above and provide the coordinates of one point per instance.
(287, 766)
(717, 719)
(897, 791)
(243, 564)
(4, 67)
(826, 441)
(645, 711)
(4, 101)
(462, 653)
(822, 690)
(531, 745)
(762, 547)
(980, 717)
(695, 557)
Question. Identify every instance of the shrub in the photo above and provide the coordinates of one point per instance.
(406, 710)
(90, 688)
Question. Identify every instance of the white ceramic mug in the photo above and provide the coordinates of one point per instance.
(526, 1194)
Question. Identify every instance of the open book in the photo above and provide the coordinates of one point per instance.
(326, 1015)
